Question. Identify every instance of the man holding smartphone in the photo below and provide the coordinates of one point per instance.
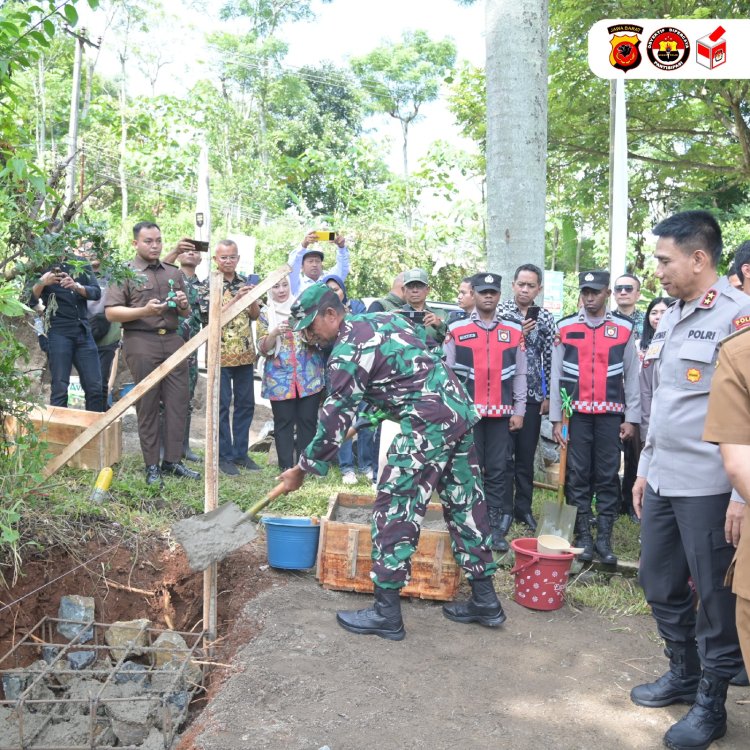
(539, 331)
(307, 260)
(428, 321)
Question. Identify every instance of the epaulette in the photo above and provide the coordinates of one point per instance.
(568, 317)
(622, 318)
(735, 334)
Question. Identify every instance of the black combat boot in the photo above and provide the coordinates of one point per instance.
(584, 538)
(498, 541)
(383, 618)
(706, 721)
(603, 544)
(187, 453)
(483, 607)
(678, 685)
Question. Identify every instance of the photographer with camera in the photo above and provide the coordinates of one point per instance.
(64, 290)
(429, 323)
(307, 261)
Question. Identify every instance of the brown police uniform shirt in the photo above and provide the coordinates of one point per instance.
(150, 282)
(728, 421)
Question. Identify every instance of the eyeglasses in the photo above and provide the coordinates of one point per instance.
(624, 288)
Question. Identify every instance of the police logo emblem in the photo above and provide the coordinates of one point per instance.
(503, 336)
(489, 278)
(668, 48)
(625, 54)
(588, 277)
(610, 332)
(693, 375)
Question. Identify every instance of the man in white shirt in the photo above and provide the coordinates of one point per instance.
(307, 262)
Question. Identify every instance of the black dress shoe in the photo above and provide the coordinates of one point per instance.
(179, 470)
(153, 474)
(229, 468)
(528, 520)
(188, 455)
(246, 463)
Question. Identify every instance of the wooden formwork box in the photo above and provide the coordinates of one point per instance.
(59, 427)
(344, 554)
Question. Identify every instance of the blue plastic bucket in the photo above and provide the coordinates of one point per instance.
(125, 388)
(291, 543)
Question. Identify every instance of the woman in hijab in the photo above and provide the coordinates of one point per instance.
(292, 377)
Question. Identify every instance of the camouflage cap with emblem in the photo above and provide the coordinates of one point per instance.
(596, 280)
(314, 299)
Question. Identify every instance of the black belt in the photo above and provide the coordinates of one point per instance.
(157, 331)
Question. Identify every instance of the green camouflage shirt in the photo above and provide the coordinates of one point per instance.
(197, 294)
(379, 358)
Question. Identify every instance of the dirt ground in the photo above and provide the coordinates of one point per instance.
(295, 680)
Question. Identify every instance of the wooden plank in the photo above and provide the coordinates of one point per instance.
(121, 406)
(352, 551)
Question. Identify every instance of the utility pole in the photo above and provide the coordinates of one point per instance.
(70, 180)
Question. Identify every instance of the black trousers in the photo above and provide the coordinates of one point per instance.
(492, 439)
(631, 451)
(594, 463)
(290, 415)
(520, 466)
(683, 537)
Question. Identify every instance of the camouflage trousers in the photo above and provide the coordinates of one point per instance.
(415, 468)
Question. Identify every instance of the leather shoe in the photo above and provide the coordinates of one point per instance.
(188, 455)
(179, 470)
(528, 520)
(153, 474)
(227, 467)
(246, 463)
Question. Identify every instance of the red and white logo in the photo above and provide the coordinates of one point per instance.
(711, 50)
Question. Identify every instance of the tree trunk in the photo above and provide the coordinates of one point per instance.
(41, 97)
(123, 146)
(517, 34)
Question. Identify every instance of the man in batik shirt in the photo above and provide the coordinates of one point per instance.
(379, 358)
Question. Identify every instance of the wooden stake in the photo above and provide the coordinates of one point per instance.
(121, 406)
(211, 472)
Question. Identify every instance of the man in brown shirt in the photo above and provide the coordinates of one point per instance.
(150, 308)
(728, 423)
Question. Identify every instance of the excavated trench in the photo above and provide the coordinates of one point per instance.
(137, 671)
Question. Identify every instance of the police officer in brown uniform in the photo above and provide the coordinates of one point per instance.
(682, 492)
(149, 308)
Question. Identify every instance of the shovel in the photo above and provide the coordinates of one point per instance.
(210, 537)
(558, 518)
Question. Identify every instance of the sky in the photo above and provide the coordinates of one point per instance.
(342, 29)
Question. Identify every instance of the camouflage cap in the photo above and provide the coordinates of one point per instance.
(309, 304)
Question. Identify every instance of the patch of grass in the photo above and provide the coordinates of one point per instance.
(614, 596)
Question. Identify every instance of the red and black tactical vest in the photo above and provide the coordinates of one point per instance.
(486, 359)
(593, 359)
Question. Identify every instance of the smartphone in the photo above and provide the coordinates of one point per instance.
(415, 316)
(200, 245)
(324, 236)
(533, 312)
(252, 279)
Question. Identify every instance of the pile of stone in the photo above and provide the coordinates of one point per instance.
(124, 684)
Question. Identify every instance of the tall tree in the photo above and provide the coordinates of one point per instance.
(516, 39)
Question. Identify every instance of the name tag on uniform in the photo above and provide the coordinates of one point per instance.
(654, 350)
(467, 336)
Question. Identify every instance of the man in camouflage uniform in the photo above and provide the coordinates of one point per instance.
(197, 293)
(379, 358)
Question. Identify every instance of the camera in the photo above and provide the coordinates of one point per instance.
(325, 236)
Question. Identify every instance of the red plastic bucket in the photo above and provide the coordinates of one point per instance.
(540, 579)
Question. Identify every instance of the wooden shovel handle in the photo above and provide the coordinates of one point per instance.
(253, 510)
(563, 460)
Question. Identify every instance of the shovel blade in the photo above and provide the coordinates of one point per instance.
(210, 537)
(558, 520)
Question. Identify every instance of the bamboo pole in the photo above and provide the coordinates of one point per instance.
(121, 406)
(211, 472)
